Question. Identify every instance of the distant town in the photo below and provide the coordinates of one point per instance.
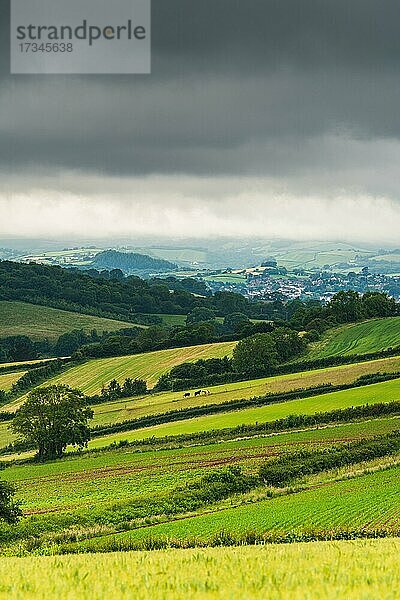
(274, 283)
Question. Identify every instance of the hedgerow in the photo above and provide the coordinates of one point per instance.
(284, 470)
(231, 405)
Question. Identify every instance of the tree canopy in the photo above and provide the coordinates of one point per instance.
(52, 418)
(255, 355)
(199, 315)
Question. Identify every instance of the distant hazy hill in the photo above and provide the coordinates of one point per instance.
(129, 262)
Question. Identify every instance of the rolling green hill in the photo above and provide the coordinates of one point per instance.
(369, 501)
(127, 409)
(90, 376)
(40, 322)
(371, 394)
(357, 338)
(134, 497)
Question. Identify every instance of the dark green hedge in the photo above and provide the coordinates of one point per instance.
(284, 470)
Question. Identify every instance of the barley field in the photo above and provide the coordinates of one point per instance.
(326, 570)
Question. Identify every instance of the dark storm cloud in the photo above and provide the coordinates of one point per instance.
(228, 76)
(289, 107)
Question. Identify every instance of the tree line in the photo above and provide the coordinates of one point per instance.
(136, 340)
(109, 294)
(344, 307)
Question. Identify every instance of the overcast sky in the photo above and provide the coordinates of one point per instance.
(275, 118)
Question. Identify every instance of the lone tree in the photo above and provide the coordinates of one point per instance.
(52, 418)
(10, 511)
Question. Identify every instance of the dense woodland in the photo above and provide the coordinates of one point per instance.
(111, 294)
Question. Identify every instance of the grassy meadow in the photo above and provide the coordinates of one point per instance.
(357, 338)
(327, 570)
(41, 322)
(90, 376)
(371, 394)
(126, 409)
(8, 379)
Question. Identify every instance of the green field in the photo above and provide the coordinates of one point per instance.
(115, 475)
(89, 492)
(7, 379)
(90, 376)
(369, 502)
(132, 496)
(358, 338)
(41, 322)
(327, 570)
(371, 394)
(127, 409)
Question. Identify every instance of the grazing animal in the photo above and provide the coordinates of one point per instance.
(206, 392)
(186, 395)
(197, 393)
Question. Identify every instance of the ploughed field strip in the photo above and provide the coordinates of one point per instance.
(370, 502)
(124, 474)
(358, 338)
(370, 394)
(126, 409)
